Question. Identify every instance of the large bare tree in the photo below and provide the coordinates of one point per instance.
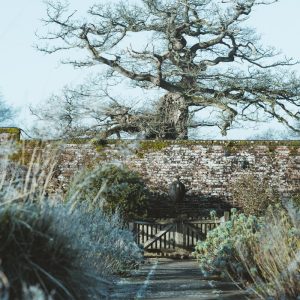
(200, 52)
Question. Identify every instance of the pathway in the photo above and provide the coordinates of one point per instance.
(173, 279)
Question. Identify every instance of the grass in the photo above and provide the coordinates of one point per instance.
(272, 259)
(34, 251)
(50, 249)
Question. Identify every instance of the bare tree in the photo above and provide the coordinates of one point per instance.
(79, 112)
(200, 52)
(62, 113)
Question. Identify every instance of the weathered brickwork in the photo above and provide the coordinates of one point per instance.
(206, 168)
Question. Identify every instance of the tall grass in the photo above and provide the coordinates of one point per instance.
(272, 259)
(25, 178)
(49, 249)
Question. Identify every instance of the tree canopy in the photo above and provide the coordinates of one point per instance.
(200, 52)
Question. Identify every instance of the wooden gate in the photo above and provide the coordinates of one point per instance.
(173, 234)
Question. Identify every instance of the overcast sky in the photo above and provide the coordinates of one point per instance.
(29, 77)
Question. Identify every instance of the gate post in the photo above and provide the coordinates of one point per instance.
(180, 234)
(226, 217)
(131, 226)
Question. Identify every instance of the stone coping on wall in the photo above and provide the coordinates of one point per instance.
(164, 143)
(15, 134)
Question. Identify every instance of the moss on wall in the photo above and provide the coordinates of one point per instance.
(26, 149)
(151, 146)
(230, 147)
(100, 145)
(103, 147)
(14, 132)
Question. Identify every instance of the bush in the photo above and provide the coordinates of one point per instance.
(263, 254)
(105, 246)
(253, 194)
(217, 253)
(69, 252)
(111, 188)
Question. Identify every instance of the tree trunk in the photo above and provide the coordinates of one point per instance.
(172, 118)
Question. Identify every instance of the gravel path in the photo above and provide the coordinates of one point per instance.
(173, 279)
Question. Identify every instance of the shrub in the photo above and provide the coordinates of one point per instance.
(111, 188)
(253, 194)
(105, 246)
(262, 253)
(68, 251)
(217, 253)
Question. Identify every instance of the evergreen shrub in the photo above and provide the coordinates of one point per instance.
(217, 253)
(111, 188)
(261, 253)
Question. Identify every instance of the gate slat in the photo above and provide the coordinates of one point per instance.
(158, 235)
(195, 230)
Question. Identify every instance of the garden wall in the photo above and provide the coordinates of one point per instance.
(207, 168)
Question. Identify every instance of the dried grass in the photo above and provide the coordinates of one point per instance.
(272, 259)
(50, 250)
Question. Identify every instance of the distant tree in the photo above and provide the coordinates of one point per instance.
(78, 112)
(272, 134)
(200, 52)
(6, 112)
(62, 115)
(295, 134)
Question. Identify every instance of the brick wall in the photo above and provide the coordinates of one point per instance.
(207, 168)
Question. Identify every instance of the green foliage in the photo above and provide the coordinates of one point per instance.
(10, 130)
(54, 250)
(253, 194)
(14, 132)
(104, 245)
(111, 188)
(261, 253)
(217, 253)
(296, 200)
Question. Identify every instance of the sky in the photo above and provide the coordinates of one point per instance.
(28, 77)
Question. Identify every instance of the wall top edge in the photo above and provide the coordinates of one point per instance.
(166, 142)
